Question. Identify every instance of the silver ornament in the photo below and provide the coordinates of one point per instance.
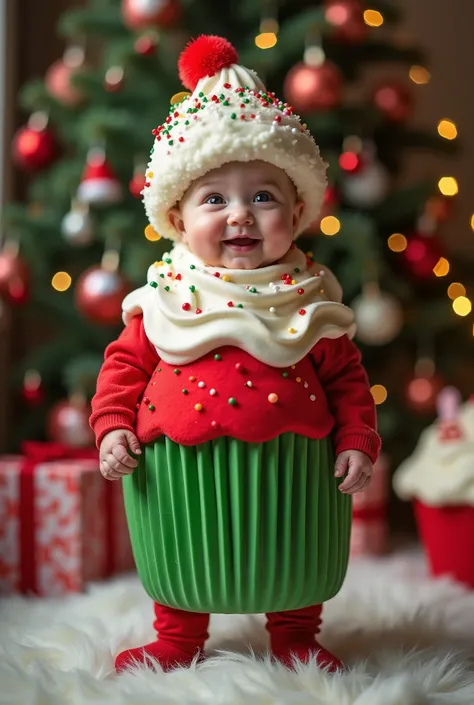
(367, 188)
(77, 227)
(378, 317)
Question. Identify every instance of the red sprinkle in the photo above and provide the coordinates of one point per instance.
(146, 400)
(169, 274)
(300, 291)
(178, 277)
(239, 367)
(252, 116)
(181, 139)
(168, 119)
(242, 117)
(227, 85)
(230, 304)
(242, 105)
(302, 311)
(198, 310)
(217, 274)
(284, 276)
(215, 98)
(147, 184)
(186, 307)
(277, 118)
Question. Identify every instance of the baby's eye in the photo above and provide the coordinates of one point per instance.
(263, 197)
(215, 199)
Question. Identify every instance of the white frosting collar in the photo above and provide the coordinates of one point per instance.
(268, 324)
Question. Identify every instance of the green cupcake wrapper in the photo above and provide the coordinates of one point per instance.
(234, 527)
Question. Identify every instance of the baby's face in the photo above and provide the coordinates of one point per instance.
(240, 216)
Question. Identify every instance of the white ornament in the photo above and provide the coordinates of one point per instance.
(148, 7)
(272, 309)
(367, 188)
(248, 384)
(212, 392)
(378, 316)
(77, 226)
(201, 385)
(312, 397)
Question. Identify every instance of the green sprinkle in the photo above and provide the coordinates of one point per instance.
(225, 102)
(159, 369)
(189, 110)
(170, 143)
(176, 371)
(175, 122)
(297, 270)
(240, 305)
(185, 391)
(253, 290)
(186, 122)
(151, 407)
(233, 116)
(167, 288)
(192, 266)
(285, 374)
(162, 276)
(233, 401)
(201, 94)
(222, 96)
(246, 100)
(204, 100)
(217, 357)
(168, 260)
(192, 288)
(154, 284)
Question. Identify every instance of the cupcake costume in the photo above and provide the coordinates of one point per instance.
(242, 387)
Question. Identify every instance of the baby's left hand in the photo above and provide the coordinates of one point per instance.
(359, 467)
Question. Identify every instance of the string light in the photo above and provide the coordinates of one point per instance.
(456, 289)
(397, 242)
(472, 221)
(379, 393)
(448, 186)
(419, 75)
(373, 18)
(441, 268)
(151, 234)
(330, 225)
(447, 129)
(462, 306)
(61, 281)
(266, 40)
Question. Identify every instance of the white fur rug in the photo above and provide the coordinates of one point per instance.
(406, 641)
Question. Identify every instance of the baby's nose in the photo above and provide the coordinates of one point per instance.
(240, 215)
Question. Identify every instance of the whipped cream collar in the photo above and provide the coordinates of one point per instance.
(190, 309)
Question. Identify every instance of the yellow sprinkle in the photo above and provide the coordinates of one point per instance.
(151, 234)
(198, 407)
(298, 379)
(156, 264)
(151, 174)
(226, 278)
(293, 367)
(291, 330)
(293, 281)
(178, 97)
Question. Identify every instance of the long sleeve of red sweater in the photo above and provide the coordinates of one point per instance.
(129, 362)
(344, 380)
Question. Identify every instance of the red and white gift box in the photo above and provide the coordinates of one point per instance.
(62, 524)
(369, 536)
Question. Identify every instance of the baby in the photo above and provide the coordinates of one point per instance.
(234, 405)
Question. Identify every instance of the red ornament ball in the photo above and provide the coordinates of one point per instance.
(99, 294)
(205, 56)
(14, 277)
(68, 423)
(140, 14)
(421, 393)
(58, 80)
(146, 45)
(394, 100)
(310, 88)
(137, 184)
(33, 390)
(347, 18)
(34, 146)
(421, 256)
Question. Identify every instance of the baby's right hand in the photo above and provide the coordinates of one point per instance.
(115, 462)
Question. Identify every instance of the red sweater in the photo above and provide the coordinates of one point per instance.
(230, 393)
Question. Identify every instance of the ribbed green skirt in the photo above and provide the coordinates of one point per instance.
(234, 527)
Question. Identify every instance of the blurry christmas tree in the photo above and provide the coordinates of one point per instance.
(78, 244)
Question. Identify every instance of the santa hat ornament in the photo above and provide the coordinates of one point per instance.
(448, 403)
(99, 185)
(228, 117)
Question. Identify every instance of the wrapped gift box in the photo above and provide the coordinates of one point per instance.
(62, 524)
(369, 534)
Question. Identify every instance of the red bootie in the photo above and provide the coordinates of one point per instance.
(181, 637)
(292, 635)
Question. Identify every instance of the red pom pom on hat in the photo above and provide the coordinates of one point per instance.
(205, 56)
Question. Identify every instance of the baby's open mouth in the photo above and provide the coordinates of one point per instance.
(242, 243)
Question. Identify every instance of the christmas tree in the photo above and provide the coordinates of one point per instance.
(80, 242)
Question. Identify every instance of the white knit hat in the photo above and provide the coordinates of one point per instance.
(228, 117)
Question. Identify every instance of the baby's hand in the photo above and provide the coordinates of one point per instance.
(360, 469)
(115, 462)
